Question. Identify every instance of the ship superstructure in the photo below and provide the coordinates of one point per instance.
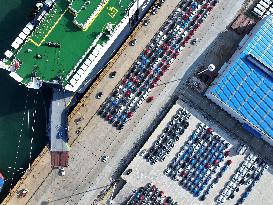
(66, 40)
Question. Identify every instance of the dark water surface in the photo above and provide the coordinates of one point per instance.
(23, 111)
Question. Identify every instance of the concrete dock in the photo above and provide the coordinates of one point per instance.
(91, 137)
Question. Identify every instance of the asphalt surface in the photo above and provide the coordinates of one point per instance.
(87, 175)
(143, 172)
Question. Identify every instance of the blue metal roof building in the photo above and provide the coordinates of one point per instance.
(244, 87)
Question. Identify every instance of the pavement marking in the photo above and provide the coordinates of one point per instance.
(113, 11)
(32, 41)
(96, 15)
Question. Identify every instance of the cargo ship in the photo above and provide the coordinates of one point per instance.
(2, 181)
(66, 39)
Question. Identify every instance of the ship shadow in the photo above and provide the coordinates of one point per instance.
(13, 22)
(16, 98)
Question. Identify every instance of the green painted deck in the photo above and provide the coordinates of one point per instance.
(57, 63)
(84, 14)
(77, 5)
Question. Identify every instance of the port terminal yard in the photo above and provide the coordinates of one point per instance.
(89, 143)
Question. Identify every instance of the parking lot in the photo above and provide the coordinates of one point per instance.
(156, 59)
(225, 179)
(97, 138)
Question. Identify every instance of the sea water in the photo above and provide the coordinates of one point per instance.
(23, 111)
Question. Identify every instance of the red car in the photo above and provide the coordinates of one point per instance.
(130, 114)
(124, 81)
(147, 51)
(150, 99)
(153, 84)
(207, 165)
(127, 93)
(229, 162)
(227, 153)
(109, 117)
(209, 130)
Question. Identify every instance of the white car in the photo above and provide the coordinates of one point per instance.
(231, 185)
(163, 37)
(258, 170)
(171, 61)
(248, 165)
(135, 100)
(167, 171)
(104, 158)
(160, 33)
(158, 60)
(251, 157)
(207, 173)
(62, 171)
(180, 49)
(242, 149)
(221, 199)
(143, 152)
(266, 167)
(236, 178)
(249, 181)
(226, 192)
(159, 43)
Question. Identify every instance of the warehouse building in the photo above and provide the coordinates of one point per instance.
(244, 87)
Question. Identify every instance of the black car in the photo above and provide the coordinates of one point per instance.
(99, 95)
(113, 74)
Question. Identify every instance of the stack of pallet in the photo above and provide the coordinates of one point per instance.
(242, 24)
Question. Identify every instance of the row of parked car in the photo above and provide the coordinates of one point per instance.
(216, 179)
(248, 173)
(150, 195)
(263, 8)
(198, 160)
(166, 140)
(154, 61)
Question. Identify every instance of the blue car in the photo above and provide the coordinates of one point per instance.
(193, 162)
(224, 168)
(196, 181)
(159, 51)
(245, 194)
(220, 157)
(182, 26)
(220, 148)
(115, 102)
(142, 57)
(196, 192)
(157, 70)
(121, 118)
(142, 66)
(206, 181)
(202, 187)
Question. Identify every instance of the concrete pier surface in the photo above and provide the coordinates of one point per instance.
(91, 137)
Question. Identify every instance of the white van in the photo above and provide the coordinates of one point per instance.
(258, 12)
(264, 4)
(260, 7)
(267, 1)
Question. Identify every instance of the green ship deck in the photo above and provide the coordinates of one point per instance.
(50, 63)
